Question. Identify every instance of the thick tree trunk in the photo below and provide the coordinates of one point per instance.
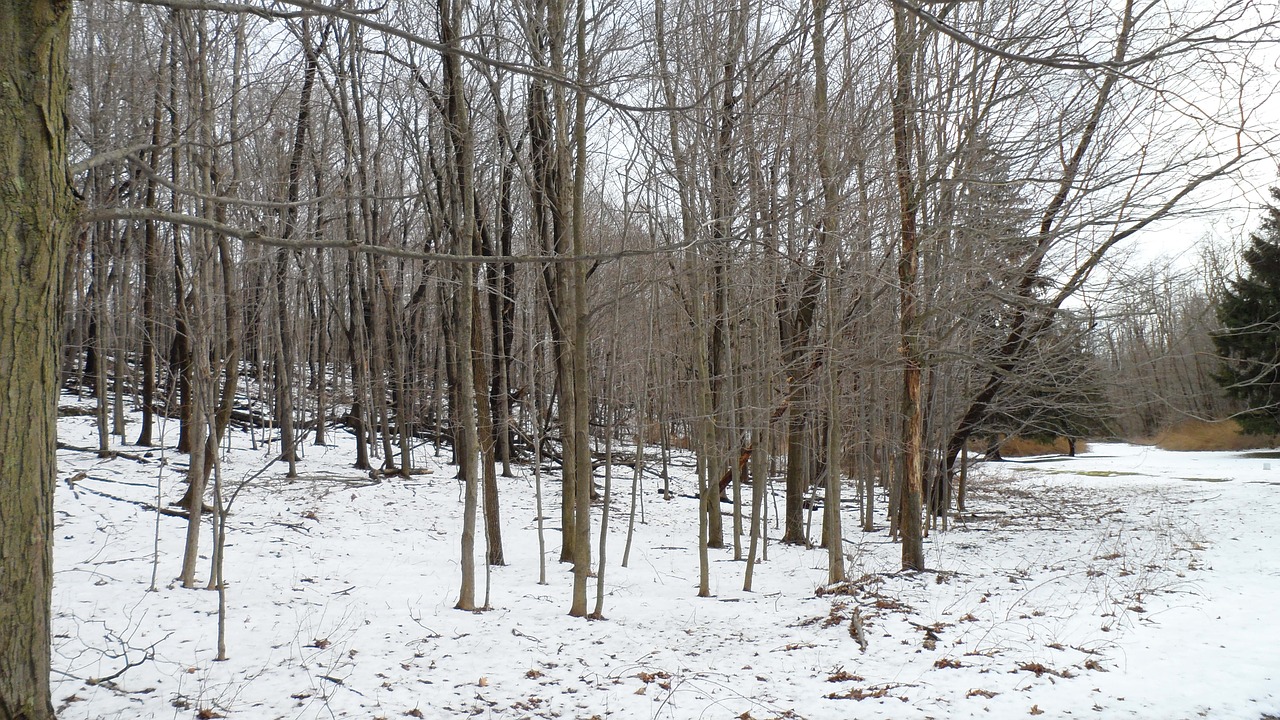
(35, 213)
(795, 330)
(912, 498)
(797, 472)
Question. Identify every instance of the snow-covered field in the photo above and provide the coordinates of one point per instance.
(1125, 583)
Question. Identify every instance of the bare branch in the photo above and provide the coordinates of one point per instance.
(258, 238)
(307, 8)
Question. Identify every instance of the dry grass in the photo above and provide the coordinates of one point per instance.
(1021, 447)
(1196, 435)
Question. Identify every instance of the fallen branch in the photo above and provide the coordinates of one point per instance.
(856, 628)
(109, 454)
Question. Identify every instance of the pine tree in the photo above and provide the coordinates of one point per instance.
(1249, 341)
(1059, 392)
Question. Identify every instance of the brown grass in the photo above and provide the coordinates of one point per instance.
(1021, 447)
(1196, 435)
(1017, 446)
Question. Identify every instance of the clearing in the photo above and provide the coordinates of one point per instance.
(1106, 585)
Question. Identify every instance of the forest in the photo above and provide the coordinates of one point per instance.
(857, 245)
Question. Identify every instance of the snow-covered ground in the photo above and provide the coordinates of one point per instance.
(1125, 583)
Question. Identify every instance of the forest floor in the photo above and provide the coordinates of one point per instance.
(1128, 582)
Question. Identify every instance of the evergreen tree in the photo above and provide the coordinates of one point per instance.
(1059, 392)
(1249, 341)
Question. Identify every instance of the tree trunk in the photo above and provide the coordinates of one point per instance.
(196, 311)
(487, 446)
(908, 270)
(150, 269)
(36, 208)
(464, 224)
(760, 391)
(284, 366)
(581, 413)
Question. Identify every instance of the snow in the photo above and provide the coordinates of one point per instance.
(1128, 582)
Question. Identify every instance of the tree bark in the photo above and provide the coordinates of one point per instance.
(912, 500)
(36, 208)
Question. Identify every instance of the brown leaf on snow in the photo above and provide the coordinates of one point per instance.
(860, 694)
(976, 692)
(1040, 670)
(789, 647)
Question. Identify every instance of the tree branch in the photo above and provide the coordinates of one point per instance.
(258, 238)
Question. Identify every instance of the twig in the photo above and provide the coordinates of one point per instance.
(148, 653)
